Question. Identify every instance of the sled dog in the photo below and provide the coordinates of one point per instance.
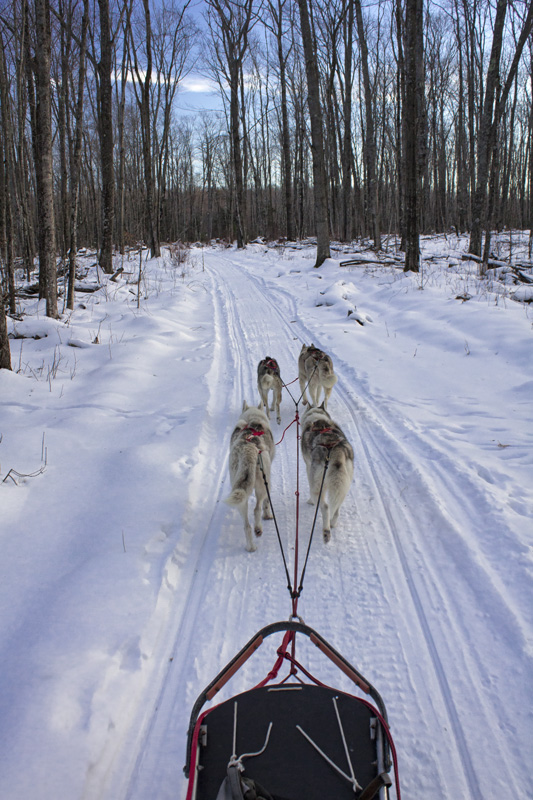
(268, 377)
(252, 436)
(315, 372)
(321, 436)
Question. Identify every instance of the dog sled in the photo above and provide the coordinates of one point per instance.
(290, 740)
(293, 738)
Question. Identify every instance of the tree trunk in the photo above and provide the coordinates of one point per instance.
(479, 209)
(234, 24)
(370, 137)
(410, 117)
(277, 19)
(105, 130)
(317, 137)
(75, 166)
(5, 352)
(347, 149)
(8, 183)
(44, 156)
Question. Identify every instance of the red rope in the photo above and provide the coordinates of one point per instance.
(285, 431)
(296, 539)
(282, 654)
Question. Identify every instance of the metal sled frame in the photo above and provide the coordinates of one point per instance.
(325, 714)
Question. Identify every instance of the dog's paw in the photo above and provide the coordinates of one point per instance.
(251, 546)
(278, 419)
(311, 501)
(258, 532)
(267, 514)
(327, 536)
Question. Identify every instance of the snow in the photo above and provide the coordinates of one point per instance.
(125, 583)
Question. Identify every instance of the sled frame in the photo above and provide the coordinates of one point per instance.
(249, 649)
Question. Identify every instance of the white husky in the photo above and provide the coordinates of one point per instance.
(315, 372)
(322, 436)
(251, 438)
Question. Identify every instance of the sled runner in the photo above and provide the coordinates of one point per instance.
(289, 740)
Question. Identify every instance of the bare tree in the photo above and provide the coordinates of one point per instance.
(317, 135)
(347, 147)
(7, 179)
(496, 96)
(142, 84)
(44, 156)
(280, 20)
(105, 131)
(230, 23)
(5, 352)
(369, 135)
(411, 114)
(75, 162)
(479, 208)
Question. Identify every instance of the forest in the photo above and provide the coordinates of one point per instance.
(336, 119)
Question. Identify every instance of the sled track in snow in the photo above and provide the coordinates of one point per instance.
(232, 358)
(367, 441)
(237, 347)
(203, 526)
(424, 623)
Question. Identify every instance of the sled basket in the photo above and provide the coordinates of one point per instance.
(290, 740)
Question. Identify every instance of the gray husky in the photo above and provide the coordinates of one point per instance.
(315, 371)
(252, 436)
(268, 377)
(321, 437)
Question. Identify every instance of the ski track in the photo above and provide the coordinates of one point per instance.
(373, 592)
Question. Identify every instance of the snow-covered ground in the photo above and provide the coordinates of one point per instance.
(125, 584)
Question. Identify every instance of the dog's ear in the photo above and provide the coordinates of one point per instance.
(245, 406)
(260, 406)
(322, 406)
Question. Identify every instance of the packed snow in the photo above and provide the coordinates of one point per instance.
(125, 583)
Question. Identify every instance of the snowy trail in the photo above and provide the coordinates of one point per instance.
(390, 591)
(126, 585)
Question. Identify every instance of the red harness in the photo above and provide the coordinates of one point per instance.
(253, 434)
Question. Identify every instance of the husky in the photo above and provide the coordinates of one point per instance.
(268, 377)
(252, 437)
(315, 372)
(321, 436)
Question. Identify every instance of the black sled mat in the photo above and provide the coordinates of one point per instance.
(290, 768)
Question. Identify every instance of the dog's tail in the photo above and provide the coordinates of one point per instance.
(266, 381)
(244, 480)
(329, 379)
(237, 497)
(339, 477)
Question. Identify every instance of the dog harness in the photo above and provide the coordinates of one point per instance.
(271, 363)
(315, 428)
(252, 436)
